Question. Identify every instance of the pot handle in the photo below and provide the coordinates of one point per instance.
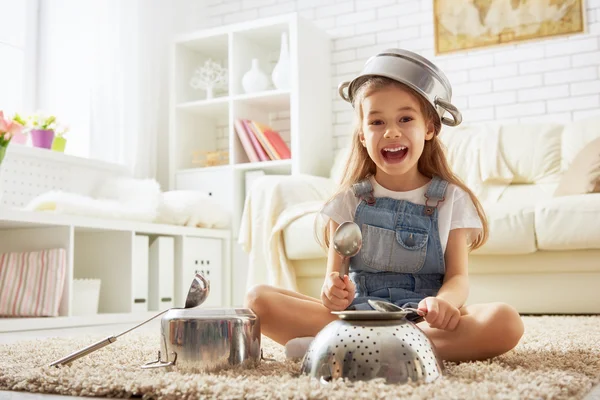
(451, 108)
(344, 95)
(159, 363)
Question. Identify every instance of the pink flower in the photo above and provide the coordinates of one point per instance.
(14, 128)
(9, 127)
(3, 123)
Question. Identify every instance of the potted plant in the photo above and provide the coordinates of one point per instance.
(9, 128)
(59, 143)
(42, 129)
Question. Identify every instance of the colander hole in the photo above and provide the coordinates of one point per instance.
(354, 359)
(338, 334)
(362, 354)
(367, 337)
(336, 346)
(394, 334)
(353, 341)
(404, 353)
(358, 347)
(345, 345)
(361, 341)
(366, 347)
(363, 374)
(359, 334)
(367, 361)
(371, 329)
(349, 335)
(409, 362)
(376, 360)
(376, 351)
(370, 353)
(334, 362)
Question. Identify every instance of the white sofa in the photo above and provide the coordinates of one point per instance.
(543, 252)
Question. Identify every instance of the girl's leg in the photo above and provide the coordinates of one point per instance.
(285, 315)
(484, 331)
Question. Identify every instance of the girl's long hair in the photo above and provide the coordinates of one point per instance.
(432, 161)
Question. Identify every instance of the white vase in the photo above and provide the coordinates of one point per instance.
(281, 72)
(210, 92)
(255, 80)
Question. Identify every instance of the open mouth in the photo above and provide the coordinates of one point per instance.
(394, 154)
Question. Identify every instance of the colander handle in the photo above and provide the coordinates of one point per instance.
(344, 95)
(451, 108)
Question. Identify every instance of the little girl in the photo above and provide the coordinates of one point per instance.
(418, 224)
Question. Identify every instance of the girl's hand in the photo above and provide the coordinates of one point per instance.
(440, 313)
(337, 292)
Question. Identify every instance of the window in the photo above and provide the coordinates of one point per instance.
(18, 48)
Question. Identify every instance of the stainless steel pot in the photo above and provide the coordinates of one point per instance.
(205, 340)
(413, 70)
(364, 345)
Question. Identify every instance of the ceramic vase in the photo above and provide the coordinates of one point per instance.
(255, 80)
(281, 72)
(42, 138)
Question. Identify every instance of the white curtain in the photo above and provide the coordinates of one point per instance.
(113, 65)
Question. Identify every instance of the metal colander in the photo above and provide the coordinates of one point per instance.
(364, 345)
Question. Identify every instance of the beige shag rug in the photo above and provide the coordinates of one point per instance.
(558, 358)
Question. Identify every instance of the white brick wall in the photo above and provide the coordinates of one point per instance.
(555, 79)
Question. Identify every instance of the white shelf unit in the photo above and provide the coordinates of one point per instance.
(302, 114)
(105, 249)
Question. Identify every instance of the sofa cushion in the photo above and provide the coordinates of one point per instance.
(583, 175)
(576, 136)
(568, 222)
(532, 151)
(511, 230)
(299, 239)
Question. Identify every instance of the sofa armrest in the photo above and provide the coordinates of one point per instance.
(293, 189)
(269, 196)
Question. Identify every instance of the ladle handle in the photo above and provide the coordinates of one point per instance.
(85, 351)
(98, 345)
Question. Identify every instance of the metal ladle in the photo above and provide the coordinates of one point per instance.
(199, 290)
(347, 241)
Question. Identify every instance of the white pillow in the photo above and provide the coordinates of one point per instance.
(192, 208)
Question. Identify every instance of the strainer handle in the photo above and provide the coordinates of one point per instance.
(451, 108)
(341, 87)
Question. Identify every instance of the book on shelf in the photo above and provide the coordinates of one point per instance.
(260, 141)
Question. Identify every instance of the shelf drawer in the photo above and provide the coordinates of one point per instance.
(204, 256)
(217, 184)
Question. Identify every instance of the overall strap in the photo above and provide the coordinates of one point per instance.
(436, 193)
(364, 191)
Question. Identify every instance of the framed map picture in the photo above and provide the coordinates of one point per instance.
(467, 24)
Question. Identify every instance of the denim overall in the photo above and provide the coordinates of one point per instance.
(401, 259)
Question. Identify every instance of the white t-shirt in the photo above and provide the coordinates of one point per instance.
(456, 211)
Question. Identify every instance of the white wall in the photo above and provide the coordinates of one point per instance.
(555, 79)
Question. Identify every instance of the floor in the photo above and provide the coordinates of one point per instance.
(113, 329)
(7, 338)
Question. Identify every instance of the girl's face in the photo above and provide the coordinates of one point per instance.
(394, 132)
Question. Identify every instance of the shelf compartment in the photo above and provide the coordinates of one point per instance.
(262, 43)
(108, 256)
(201, 128)
(36, 239)
(192, 53)
(209, 107)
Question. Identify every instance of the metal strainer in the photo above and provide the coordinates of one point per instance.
(364, 345)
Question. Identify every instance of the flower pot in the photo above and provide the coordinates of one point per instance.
(59, 144)
(42, 138)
